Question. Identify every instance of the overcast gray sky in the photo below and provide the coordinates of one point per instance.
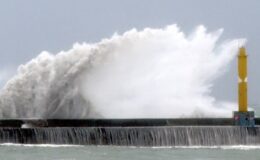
(28, 26)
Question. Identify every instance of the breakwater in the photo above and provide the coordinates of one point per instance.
(134, 136)
(131, 132)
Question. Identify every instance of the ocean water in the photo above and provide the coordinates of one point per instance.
(70, 152)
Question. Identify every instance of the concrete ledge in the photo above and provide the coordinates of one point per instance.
(114, 122)
(17, 123)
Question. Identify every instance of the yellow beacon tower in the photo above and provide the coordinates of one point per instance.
(243, 117)
(242, 80)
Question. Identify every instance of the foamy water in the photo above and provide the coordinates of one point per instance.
(139, 74)
(231, 147)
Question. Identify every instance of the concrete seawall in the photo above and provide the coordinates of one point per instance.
(130, 132)
(134, 136)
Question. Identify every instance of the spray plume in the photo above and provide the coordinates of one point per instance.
(153, 73)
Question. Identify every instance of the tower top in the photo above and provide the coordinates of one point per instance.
(242, 52)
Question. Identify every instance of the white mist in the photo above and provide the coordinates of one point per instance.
(154, 73)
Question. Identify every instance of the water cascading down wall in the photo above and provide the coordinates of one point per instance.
(131, 132)
(144, 88)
